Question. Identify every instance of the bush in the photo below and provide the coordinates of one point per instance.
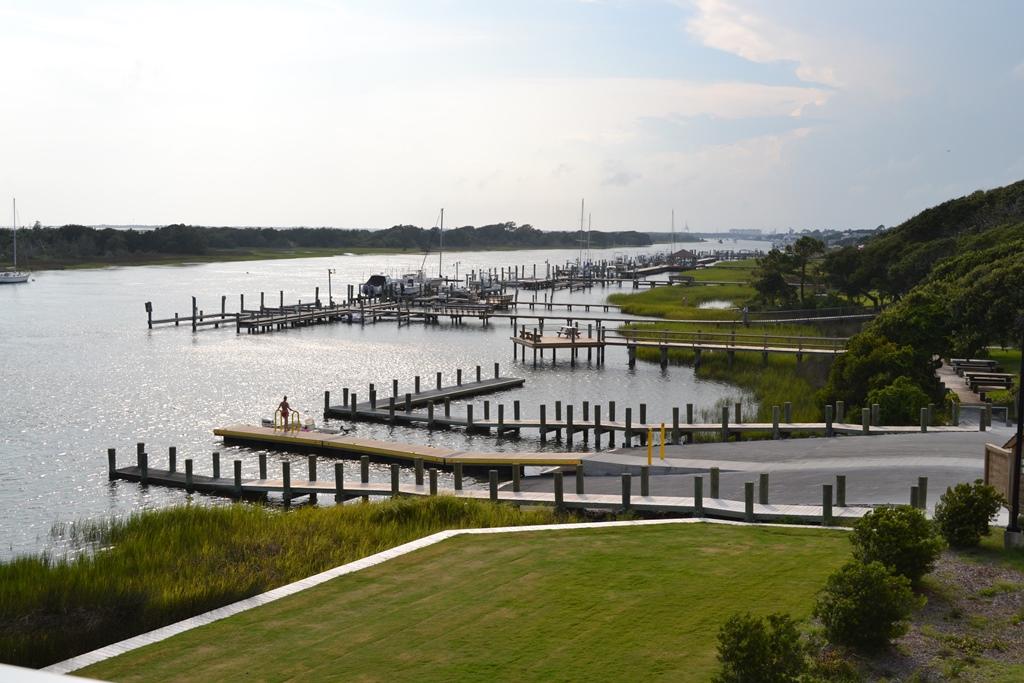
(900, 537)
(756, 650)
(900, 402)
(865, 605)
(964, 511)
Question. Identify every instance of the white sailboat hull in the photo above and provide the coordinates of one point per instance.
(8, 278)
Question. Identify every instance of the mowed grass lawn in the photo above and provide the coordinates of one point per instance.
(626, 603)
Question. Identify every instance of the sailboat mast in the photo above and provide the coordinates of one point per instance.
(590, 217)
(582, 211)
(673, 231)
(14, 227)
(440, 253)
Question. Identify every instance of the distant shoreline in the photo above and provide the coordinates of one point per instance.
(234, 255)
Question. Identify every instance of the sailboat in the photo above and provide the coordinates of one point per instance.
(11, 277)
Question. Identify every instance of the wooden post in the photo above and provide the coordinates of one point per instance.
(188, 475)
(738, 413)
(627, 482)
(430, 415)
(924, 419)
(469, 417)
(238, 478)
(913, 497)
(391, 409)
(675, 425)
(492, 481)
(327, 402)
(144, 468)
(645, 481)
(408, 402)
(339, 482)
(447, 407)
(263, 465)
(579, 479)
(543, 423)
(826, 504)
(395, 480)
(286, 476)
(433, 481)
(840, 411)
(775, 423)
(725, 423)
(364, 469)
(438, 378)
(954, 411)
(689, 413)
(517, 475)
(841, 490)
(714, 475)
(216, 465)
(111, 463)
(457, 474)
(865, 419)
(352, 410)
(627, 437)
(478, 373)
(559, 490)
(876, 415)
(497, 368)
(698, 496)
(748, 501)
(922, 492)
(418, 467)
(762, 489)
(416, 384)
(458, 377)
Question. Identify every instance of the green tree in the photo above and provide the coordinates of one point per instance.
(801, 253)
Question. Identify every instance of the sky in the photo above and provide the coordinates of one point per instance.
(733, 113)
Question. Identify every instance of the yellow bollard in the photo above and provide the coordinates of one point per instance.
(650, 445)
(661, 447)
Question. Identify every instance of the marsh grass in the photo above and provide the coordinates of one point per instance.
(158, 567)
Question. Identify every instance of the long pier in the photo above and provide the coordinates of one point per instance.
(833, 505)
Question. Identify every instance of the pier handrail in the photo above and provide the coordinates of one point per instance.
(725, 338)
(294, 423)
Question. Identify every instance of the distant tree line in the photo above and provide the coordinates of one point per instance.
(71, 243)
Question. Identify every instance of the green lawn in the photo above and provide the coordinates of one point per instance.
(633, 603)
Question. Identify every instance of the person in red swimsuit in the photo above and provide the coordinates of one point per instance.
(285, 409)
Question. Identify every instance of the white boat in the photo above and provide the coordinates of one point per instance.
(12, 277)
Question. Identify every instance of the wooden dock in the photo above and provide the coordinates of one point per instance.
(387, 409)
(387, 451)
(833, 506)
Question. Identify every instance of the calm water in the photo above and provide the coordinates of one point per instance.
(81, 373)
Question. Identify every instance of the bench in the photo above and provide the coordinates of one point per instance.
(569, 332)
(529, 336)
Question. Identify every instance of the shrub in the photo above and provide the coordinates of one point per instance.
(756, 650)
(898, 536)
(900, 402)
(865, 605)
(964, 511)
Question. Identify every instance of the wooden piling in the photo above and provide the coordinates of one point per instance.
(841, 490)
(627, 482)
(339, 482)
(559, 491)
(492, 482)
(748, 501)
(645, 481)
(714, 475)
(286, 476)
(433, 481)
(457, 475)
(188, 475)
(238, 478)
(922, 492)
(396, 480)
(111, 463)
(698, 496)
(826, 504)
(762, 489)
(216, 465)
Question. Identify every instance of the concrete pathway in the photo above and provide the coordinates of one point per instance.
(878, 469)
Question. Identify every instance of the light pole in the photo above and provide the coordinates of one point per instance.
(330, 297)
(1013, 535)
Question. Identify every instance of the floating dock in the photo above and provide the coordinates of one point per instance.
(387, 451)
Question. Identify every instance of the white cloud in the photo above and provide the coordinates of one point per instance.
(729, 28)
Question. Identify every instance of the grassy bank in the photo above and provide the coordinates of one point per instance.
(159, 567)
(636, 603)
(683, 301)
